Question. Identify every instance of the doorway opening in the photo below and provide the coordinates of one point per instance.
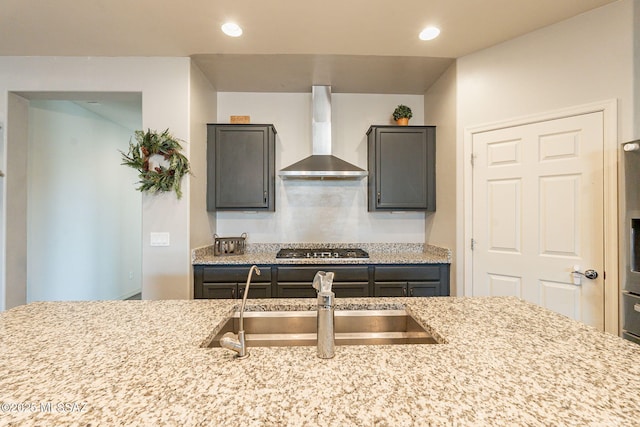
(79, 229)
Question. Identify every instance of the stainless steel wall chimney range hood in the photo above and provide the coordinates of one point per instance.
(322, 164)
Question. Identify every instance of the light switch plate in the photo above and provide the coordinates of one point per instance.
(159, 239)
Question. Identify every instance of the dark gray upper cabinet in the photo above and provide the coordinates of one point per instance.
(402, 168)
(241, 167)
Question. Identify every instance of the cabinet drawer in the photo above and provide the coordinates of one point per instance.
(351, 289)
(305, 290)
(631, 313)
(296, 290)
(235, 274)
(417, 273)
(307, 273)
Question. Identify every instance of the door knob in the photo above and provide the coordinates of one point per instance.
(589, 274)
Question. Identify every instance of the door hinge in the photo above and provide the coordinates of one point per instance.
(473, 244)
(473, 159)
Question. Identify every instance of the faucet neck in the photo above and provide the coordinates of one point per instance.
(246, 293)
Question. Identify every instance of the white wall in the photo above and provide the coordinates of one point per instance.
(581, 60)
(164, 84)
(320, 211)
(202, 110)
(3, 213)
(636, 65)
(585, 59)
(83, 226)
(15, 274)
(440, 110)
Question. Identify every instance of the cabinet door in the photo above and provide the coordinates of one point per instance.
(256, 290)
(390, 289)
(423, 289)
(402, 168)
(240, 167)
(220, 290)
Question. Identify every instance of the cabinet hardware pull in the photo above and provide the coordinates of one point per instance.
(404, 292)
(378, 197)
(265, 197)
(411, 292)
(233, 293)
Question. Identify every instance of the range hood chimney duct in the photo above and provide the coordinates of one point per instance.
(322, 164)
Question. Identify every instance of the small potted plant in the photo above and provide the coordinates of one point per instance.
(402, 114)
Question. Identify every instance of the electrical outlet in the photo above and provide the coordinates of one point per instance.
(159, 239)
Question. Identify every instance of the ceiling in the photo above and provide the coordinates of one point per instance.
(288, 45)
(123, 108)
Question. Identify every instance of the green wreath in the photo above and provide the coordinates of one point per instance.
(160, 178)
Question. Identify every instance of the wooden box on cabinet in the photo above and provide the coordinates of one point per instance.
(241, 167)
(402, 168)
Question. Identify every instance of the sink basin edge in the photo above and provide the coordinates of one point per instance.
(377, 324)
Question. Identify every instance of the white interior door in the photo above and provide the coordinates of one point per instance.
(538, 212)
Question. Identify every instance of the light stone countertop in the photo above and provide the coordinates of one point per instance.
(379, 253)
(501, 362)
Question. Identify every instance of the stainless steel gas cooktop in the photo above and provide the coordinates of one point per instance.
(322, 253)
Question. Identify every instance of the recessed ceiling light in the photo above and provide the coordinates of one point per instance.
(429, 33)
(232, 29)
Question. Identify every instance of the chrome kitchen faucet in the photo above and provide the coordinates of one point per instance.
(322, 283)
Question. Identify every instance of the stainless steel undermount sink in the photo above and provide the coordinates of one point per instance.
(352, 327)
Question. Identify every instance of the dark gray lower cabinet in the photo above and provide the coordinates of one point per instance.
(294, 281)
(230, 281)
(411, 281)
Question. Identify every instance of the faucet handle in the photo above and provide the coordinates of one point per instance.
(317, 280)
(322, 281)
(327, 282)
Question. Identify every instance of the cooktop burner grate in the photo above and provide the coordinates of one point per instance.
(321, 253)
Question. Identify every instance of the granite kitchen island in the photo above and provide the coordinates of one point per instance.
(499, 361)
